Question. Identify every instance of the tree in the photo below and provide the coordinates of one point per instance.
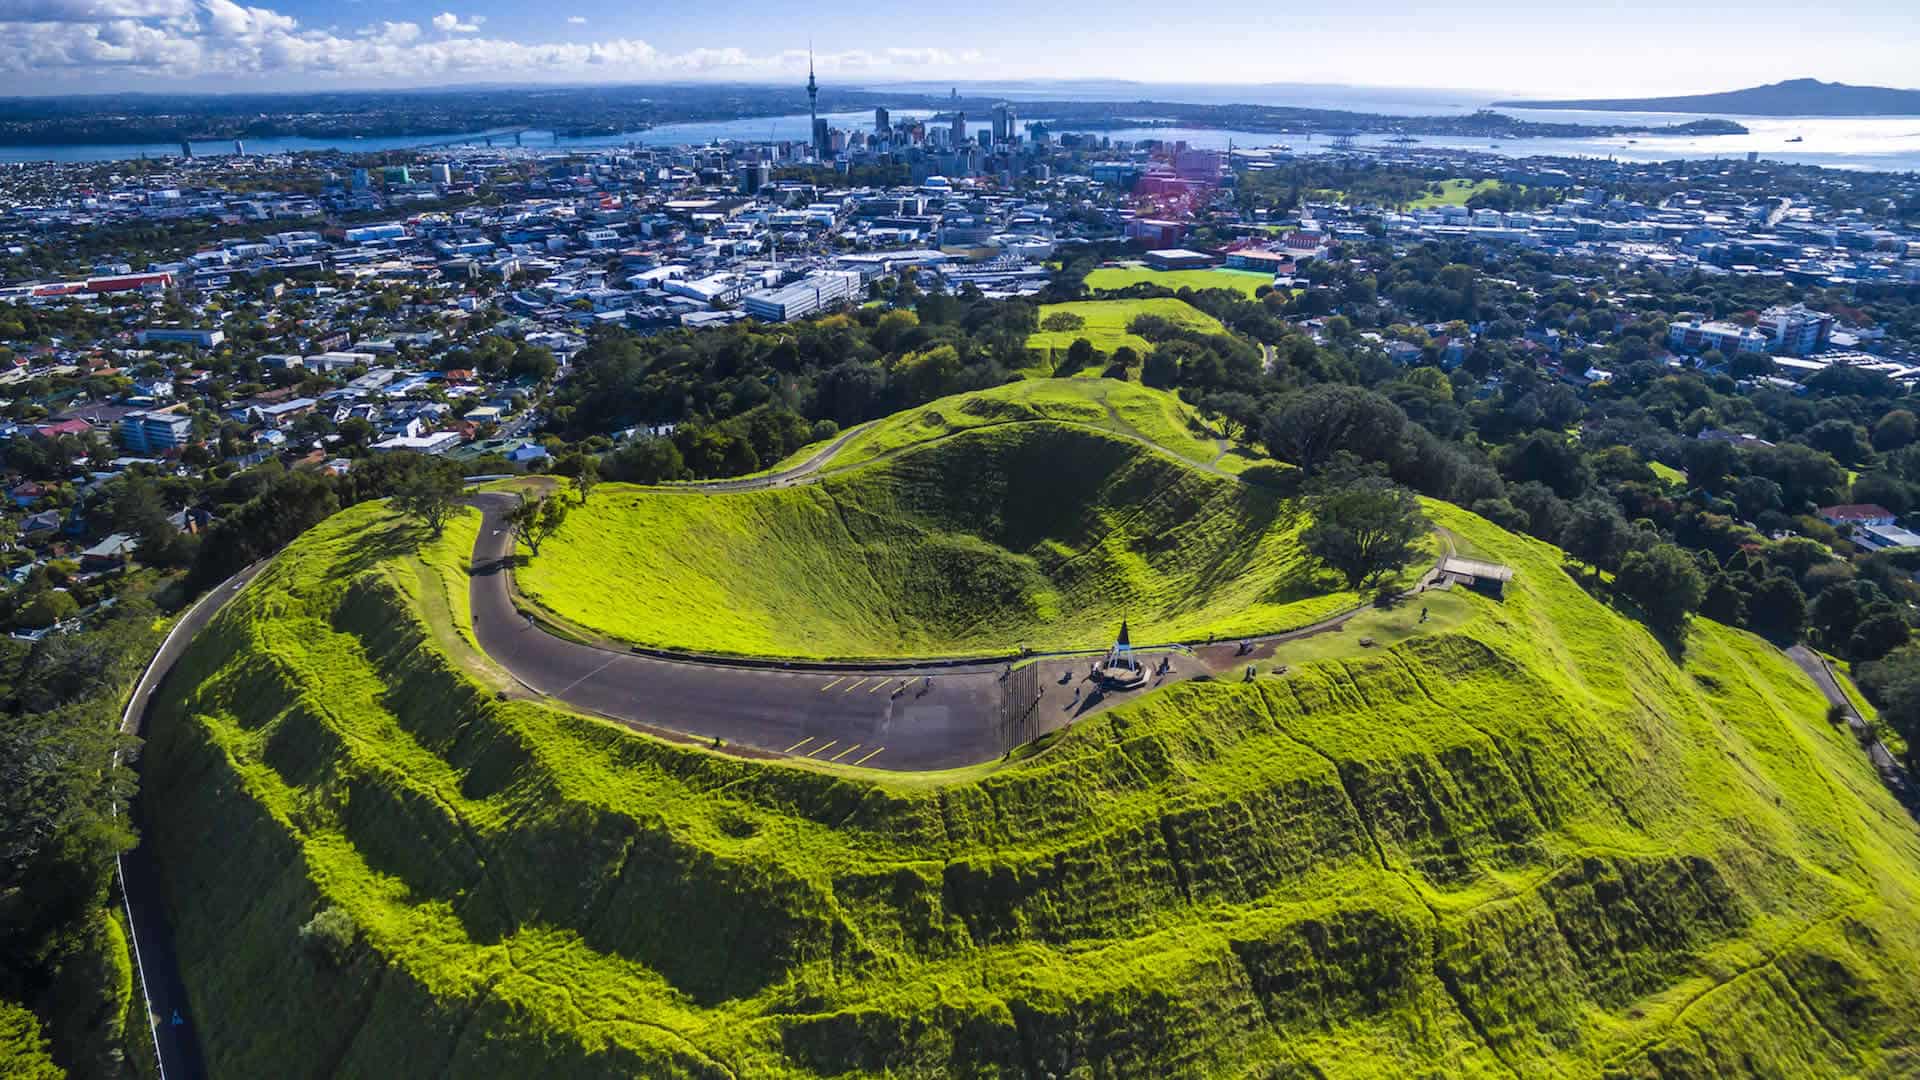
(583, 469)
(1079, 355)
(48, 608)
(649, 460)
(1892, 683)
(1547, 514)
(1726, 599)
(1310, 426)
(329, 936)
(1777, 609)
(1838, 608)
(1666, 584)
(1895, 430)
(1062, 321)
(534, 520)
(1364, 527)
(588, 476)
(1877, 635)
(1550, 459)
(1162, 369)
(430, 493)
(1595, 533)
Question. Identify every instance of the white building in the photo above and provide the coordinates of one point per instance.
(816, 292)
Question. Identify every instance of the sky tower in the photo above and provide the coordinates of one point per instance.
(813, 108)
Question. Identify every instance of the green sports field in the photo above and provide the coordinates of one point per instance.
(1453, 193)
(1525, 841)
(1117, 277)
(1107, 321)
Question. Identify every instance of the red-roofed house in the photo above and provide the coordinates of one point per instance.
(1856, 514)
(63, 427)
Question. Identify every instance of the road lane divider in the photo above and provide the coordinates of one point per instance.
(869, 757)
(797, 745)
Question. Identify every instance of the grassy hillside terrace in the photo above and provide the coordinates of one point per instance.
(1109, 405)
(1038, 533)
(1529, 843)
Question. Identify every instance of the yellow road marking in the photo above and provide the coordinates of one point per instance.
(845, 752)
(881, 685)
(863, 760)
(854, 687)
(833, 684)
(816, 751)
(797, 745)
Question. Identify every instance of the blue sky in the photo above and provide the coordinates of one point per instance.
(1624, 48)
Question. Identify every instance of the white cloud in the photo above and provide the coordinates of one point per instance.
(448, 23)
(577, 20)
(393, 33)
(48, 42)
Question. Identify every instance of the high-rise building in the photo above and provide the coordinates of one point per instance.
(880, 118)
(822, 139)
(753, 175)
(1004, 123)
(186, 149)
(959, 128)
(239, 148)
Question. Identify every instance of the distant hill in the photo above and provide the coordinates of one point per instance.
(1795, 97)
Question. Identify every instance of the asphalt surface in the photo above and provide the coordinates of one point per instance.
(1889, 767)
(170, 1012)
(900, 718)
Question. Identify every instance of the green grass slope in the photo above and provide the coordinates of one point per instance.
(1120, 408)
(1037, 533)
(1107, 322)
(1530, 845)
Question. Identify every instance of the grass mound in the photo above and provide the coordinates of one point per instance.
(1530, 844)
(1107, 322)
(1121, 408)
(1037, 533)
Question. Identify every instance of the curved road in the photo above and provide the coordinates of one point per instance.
(169, 1013)
(899, 718)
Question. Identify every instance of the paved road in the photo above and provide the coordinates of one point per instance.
(932, 718)
(170, 1014)
(931, 715)
(804, 470)
(1889, 767)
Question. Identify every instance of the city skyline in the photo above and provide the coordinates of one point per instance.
(76, 46)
